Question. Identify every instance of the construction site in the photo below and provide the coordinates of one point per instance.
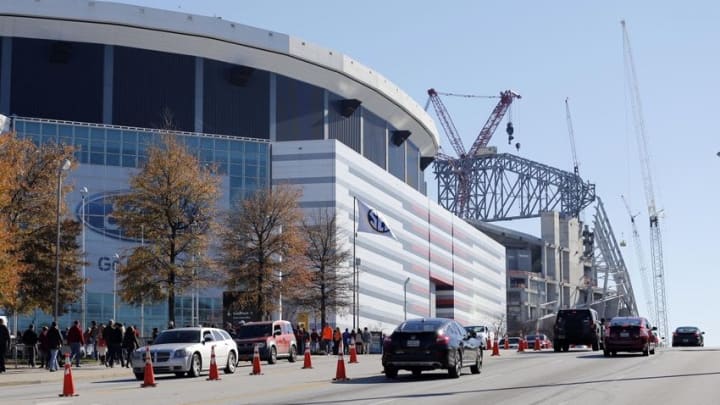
(570, 263)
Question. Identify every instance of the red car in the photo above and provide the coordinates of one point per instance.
(629, 334)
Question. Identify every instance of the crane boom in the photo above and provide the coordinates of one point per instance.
(641, 263)
(576, 168)
(656, 251)
(446, 122)
(487, 131)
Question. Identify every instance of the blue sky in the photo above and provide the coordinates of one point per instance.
(547, 51)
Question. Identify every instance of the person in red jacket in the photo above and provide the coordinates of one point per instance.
(76, 341)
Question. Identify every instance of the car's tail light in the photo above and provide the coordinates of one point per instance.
(442, 340)
(697, 334)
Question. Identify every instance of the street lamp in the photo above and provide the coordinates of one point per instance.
(83, 304)
(407, 280)
(64, 166)
(114, 269)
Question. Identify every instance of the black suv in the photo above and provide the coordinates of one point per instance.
(576, 327)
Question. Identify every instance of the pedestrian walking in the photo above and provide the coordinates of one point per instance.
(54, 342)
(76, 341)
(358, 340)
(4, 343)
(30, 340)
(346, 341)
(130, 344)
(43, 348)
(101, 345)
(337, 340)
(314, 341)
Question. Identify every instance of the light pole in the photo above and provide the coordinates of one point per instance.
(65, 166)
(114, 269)
(356, 292)
(83, 304)
(407, 280)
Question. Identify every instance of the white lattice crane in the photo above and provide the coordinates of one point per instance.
(656, 250)
(571, 132)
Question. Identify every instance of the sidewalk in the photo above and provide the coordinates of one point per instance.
(24, 375)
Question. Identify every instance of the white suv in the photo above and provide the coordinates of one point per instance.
(187, 350)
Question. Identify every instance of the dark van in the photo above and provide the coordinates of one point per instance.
(576, 327)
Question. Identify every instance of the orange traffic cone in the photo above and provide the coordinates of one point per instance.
(256, 362)
(340, 371)
(353, 352)
(496, 349)
(507, 343)
(521, 345)
(488, 344)
(149, 380)
(68, 384)
(214, 374)
(308, 361)
(537, 343)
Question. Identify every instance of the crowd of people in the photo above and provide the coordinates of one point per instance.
(329, 340)
(109, 344)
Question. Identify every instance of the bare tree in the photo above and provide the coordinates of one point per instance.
(171, 204)
(331, 285)
(262, 250)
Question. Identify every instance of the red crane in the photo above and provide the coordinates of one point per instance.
(463, 190)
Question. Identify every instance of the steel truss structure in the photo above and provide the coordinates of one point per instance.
(504, 186)
(609, 267)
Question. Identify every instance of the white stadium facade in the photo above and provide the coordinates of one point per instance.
(267, 108)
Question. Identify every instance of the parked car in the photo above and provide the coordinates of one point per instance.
(513, 342)
(545, 342)
(688, 336)
(576, 327)
(187, 350)
(425, 344)
(629, 334)
(482, 332)
(274, 339)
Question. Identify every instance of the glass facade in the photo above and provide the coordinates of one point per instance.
(243, 162)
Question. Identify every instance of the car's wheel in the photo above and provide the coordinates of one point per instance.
(139, 376)
(596, 346)
(606, 353)
(455, 368)
(390, 372)
(293, 354)
(194, 366)
(272, 359)
(475, 368)
(646, 351)
(566, 347)
(231, 363)
(613, 354)
(556, 347)
(416, 373)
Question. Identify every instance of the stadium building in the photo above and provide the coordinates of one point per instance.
(267, 108)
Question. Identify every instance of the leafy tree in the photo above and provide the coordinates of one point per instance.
(28, 212)
(171, 204)
(263, 239)
(330, 285)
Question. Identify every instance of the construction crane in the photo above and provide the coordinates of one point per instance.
(576, 168)
(641, 262)
(656, 248)
(459, 169)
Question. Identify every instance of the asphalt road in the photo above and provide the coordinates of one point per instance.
(677, 375)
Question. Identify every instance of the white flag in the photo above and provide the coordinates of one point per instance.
(371, 221)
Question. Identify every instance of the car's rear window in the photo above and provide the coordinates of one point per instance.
(687, 330)
(253, 331)
(419, 326)
(625, 322)
(178, 336)
(573, 315)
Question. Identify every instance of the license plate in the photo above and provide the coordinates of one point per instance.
(413, 343)
(685, 340)
(624, 334)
